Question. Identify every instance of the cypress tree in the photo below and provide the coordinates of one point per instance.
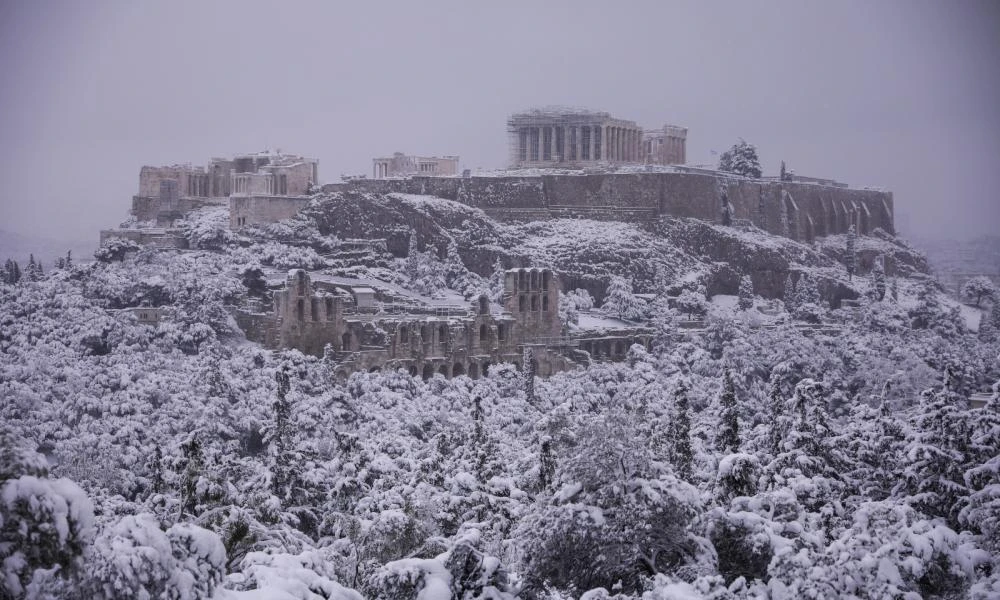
(746, 293)
(682, 454)
(529, 374)
(728, 439)
(878, 279)
(852, 257)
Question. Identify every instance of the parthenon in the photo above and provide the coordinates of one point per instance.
(564, 136)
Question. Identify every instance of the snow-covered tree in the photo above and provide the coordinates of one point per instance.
(692, 303)
(620, 302)
(528, 360)
(496, 281)
(412, 262)
(741, 159)
(979, 287)
(680, 434)
(46, 524)
(878, 279)
(745, 301)
(115, 249)
(789, 296)
(727, 440)
(11, 272)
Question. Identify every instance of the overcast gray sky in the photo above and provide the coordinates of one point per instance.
(898, 94)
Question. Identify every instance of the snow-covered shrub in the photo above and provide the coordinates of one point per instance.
(134, 558)
(45, 524)
(115, 249)
(207, 229)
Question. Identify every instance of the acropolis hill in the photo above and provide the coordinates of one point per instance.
(565, 163)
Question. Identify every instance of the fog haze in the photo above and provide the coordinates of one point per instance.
(902, 95)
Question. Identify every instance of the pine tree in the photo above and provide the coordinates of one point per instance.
(728, 439)
(33, 272)
(741, 159)
(851, 260)
(663, 325)
(746, 293)
(621, 302)
(682, 455)
(529, 374)
(938, 451)
(878, 279)
(69, 259)
(11, 272)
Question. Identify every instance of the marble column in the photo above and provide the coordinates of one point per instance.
(592, 141)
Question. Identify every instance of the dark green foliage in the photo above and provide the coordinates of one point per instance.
(728, 439)
(741, 159)
(681, 454)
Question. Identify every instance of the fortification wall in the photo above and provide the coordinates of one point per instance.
(801, 211)
(249, 210)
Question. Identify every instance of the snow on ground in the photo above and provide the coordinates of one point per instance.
(593, 320)
(422, 202)
(972, 316)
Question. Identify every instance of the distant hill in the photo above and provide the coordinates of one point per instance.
(979, 255)
(19, 247)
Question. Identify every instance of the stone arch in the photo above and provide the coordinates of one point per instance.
(501, 332)
(346, 341)
(300, 309)
(412, 370)
(484, 305)
(442, 333)
(428, 372)
(522, 303)
(457, 369)
(375, 369)
(474, 370)
(443, 369)
(486, 368)
(404, 334)
(534, 303)
(545, 303)
(619, 348)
